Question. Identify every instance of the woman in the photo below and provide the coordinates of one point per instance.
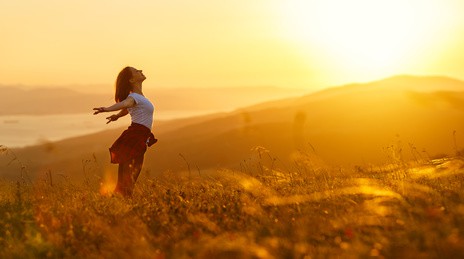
(128, 150)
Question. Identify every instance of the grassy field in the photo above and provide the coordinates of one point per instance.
(265, 210)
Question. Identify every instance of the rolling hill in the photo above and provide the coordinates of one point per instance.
(40, 101)
(396, 119)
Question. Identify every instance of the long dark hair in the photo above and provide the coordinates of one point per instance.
(123, 85)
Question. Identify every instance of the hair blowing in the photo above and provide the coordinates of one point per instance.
(123, 85)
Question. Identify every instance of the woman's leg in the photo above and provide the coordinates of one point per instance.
(136, 169)
(123, 180)
(128, 173)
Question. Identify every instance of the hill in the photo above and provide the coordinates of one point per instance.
(396, 119)
(40, 101)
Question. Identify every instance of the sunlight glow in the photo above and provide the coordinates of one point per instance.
(108, 183)
(365, 35)
(293, 43)
(319, 196)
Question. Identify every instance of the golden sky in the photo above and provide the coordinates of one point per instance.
(207, 43)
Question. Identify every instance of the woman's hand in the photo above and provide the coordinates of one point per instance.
(99, 110)
(113, 117)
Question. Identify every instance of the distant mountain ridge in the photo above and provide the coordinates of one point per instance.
(47, 101)
(404, 83)
(62, 100)
(379, 122)
(401, 83)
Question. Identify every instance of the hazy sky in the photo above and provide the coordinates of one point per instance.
(183, 43)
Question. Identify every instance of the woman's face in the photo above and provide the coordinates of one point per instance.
(137, 75)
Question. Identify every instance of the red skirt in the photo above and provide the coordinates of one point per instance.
(133, 142)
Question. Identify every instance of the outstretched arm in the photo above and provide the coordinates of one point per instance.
(127, 103)
(115, 117)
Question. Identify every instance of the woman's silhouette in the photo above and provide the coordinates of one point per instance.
(129, 149)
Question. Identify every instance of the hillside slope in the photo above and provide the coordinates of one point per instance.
(40, 101)
(396, 118)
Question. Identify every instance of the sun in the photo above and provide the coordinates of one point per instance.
(374, 36)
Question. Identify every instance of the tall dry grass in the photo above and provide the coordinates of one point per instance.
(267, 209)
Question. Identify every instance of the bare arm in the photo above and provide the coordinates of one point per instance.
(122, 113)
(123, 105)
(127, 103)
(115, 117)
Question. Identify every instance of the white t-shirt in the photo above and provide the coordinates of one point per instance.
(142, 112)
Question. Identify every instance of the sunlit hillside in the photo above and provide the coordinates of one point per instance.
(400, 118)
(264, 210)
(355, 171)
